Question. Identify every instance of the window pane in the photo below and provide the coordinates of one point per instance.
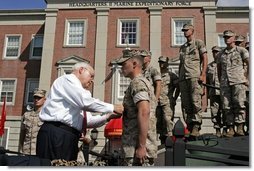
(124, 83)
(221, 42)
(32, 85)
(37, 51)
(37, 45)
(76, 33)
(12, 48)
(129, 32)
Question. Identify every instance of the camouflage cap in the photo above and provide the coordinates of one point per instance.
(228, 33)
(216, 48)
(40, 93)
(145, 53)
(163, 59)
(239, 38)
(127, 54)
(187, 27)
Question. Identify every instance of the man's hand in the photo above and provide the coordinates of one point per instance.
(85, 139)
(202, 79)
(113, 116)
(118, 109)
(141, 153)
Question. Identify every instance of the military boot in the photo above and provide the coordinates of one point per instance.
(239, 130)
(218, 133)
(224, 132)
(231, 132)
(195, 131)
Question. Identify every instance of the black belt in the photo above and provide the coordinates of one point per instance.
(63, 126)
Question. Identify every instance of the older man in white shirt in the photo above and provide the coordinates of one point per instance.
(64, 114)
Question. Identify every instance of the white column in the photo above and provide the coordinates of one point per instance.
(100, 52)
(155, 34)
(211, 35)
(48, 49)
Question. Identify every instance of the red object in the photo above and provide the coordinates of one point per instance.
(113, 128)
(3, 118)
(84, 123)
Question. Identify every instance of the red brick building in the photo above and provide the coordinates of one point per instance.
(37, 46)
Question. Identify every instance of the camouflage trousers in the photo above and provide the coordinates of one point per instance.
(164, 116)
(217, 116)
(233, 98)
(191, 99)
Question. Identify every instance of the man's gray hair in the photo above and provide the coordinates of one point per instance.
(80, 64)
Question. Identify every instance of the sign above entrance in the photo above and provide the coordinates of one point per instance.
(131, 4)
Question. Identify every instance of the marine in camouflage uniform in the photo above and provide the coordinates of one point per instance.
(214, 94)
(137, 118)
(151, 73)
(230, 63)
(192, 73)
(164, 112)
(30, 124)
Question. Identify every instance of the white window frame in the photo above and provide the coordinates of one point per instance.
(173, 29)
(119, 32)
(34, 36)
(248, 37)
(116, 86)
(220, 40)
(14, 91)
(30, 89)
(6, 46)
(66, 34)
(5, 137)
(62, 70)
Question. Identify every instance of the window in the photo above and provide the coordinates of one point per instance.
(119, 84)
(8, 88)
(32, 84)
(12, 46)
(128, 30)
(221, 42)
(76, 31)
(4, 138)
(64, 70)
(177, 34)
(123, 85)
(36, 49)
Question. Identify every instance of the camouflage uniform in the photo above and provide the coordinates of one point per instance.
(31, 124)
(173, 88)
(134, 94)
(151, 74)
(214, 95)
(233, 84)
(189, 73)
(164, 112)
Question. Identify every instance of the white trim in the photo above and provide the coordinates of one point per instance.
(5, 46)
(66, 32)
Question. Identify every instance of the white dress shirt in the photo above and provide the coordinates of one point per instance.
(95, 121)
(66, 101)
